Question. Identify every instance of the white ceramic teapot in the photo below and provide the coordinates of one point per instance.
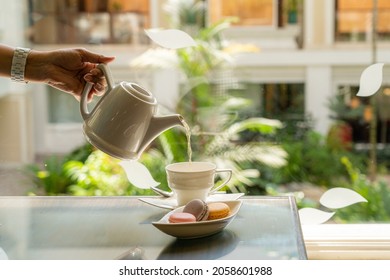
(123, 122)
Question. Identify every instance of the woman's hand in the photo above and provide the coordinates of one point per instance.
(67, 70)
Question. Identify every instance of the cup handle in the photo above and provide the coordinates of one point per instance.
(88, 86)
(213, 190)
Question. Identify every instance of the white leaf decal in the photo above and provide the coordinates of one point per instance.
(3, 255)
(171, 38)
(371, 80)
(138, 174)
(336, 198)
(312, 216)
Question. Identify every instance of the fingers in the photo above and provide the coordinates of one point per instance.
(99, 88)
(95, 76)
(97, 79)
(91, 78)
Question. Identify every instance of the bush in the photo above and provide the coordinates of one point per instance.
(51, 176)
(312, 160)
(99, 175)
(85, 172)
(375, 192)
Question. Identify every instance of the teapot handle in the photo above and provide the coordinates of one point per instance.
(88, 86)
(107, 73)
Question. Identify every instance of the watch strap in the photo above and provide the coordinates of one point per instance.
(19, 64)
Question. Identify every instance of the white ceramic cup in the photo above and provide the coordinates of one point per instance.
(190, 180)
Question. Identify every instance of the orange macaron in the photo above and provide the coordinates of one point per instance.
(218, 210)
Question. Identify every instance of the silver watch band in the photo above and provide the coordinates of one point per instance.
(19, 64)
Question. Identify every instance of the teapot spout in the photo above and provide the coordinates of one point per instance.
(157, 126)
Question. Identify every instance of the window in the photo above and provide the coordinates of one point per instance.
(88, 22)
(283, 100)
(358, 112)
(265, 13)
(67, 112)
(354, 20)
(64, 108)
(280, 100)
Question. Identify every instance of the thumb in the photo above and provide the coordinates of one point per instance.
(92, 57)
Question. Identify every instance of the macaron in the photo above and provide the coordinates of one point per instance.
(198, 208)
(181, 217)
(218, 210)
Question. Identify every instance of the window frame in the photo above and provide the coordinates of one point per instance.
(347, 241)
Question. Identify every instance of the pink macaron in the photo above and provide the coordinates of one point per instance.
(181, 217)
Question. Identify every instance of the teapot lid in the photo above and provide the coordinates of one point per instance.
(139, 92)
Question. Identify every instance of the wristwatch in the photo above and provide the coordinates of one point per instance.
(19, 64)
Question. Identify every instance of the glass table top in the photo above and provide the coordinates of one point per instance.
(107, 228)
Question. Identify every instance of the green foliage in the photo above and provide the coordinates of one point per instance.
(99, 175)
(311, 160)
(186, 13)
(84, 172)
(51, 177)
(375, 192)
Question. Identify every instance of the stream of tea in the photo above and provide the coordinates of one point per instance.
(188, 134)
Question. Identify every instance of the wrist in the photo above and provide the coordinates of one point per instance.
(18, 65)
(35, 67)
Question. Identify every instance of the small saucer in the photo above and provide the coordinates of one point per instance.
(170, 202)
(197, 229)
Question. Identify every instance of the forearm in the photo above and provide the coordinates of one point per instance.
(35, 64)
(6, 54)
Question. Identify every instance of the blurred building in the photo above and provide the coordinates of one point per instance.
(309, 51)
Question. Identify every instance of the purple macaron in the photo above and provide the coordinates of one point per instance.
(198, 208)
